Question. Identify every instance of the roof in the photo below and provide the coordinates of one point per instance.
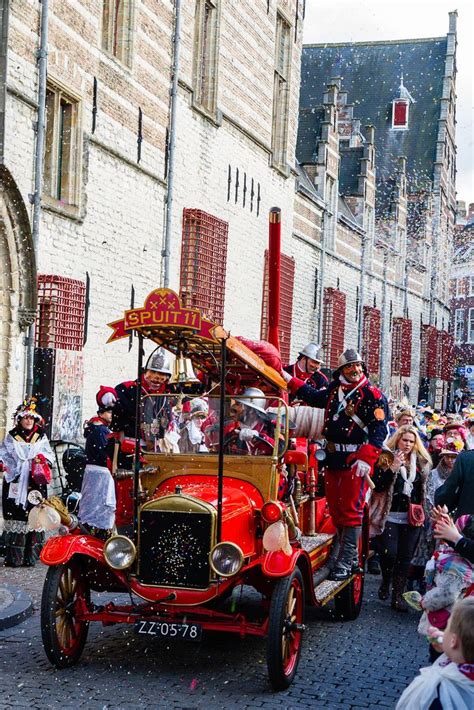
(371, 74)
(309, 133)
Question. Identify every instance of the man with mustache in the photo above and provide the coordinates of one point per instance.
(355, 427)
(308, 366)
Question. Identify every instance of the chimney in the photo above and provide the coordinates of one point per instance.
(453, 18)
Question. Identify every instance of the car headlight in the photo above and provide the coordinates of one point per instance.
(226, 559)
(119, 552)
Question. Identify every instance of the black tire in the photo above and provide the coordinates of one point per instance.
(287, 607)
(63, 635)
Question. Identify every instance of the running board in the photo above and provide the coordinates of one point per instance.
(328, 589)
(309, 544)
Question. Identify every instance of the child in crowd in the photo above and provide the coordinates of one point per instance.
(449, 683)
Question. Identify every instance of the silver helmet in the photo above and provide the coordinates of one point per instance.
(159, 361)
(253, 397)
(314, 351)
(349, 356)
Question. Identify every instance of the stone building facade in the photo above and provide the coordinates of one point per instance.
(99, 246)
(375, 207)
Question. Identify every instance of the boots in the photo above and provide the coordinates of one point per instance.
(398, 602)
(384, 589)
(347, 559)
(373, 564)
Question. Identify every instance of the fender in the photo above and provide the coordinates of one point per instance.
(277, 564)
(60, 549)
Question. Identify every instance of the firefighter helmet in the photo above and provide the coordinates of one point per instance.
(253, 397)
(349, 356)
(159, 361)
(314, 351)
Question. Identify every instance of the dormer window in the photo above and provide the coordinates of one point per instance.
(401, 106)
(400, 113)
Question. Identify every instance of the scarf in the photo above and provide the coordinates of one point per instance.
(456, 690)
(17, 457)
(408, 477)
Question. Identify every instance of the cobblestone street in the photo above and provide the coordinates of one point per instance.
(361, 664)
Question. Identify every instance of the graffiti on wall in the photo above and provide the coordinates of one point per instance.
(68, 385)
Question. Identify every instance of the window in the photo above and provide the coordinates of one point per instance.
(401, 346)
(205, 55)
(471, 285)
(459, 288)
(61, 312)
(203, 263)
(334, 321)
(459, 325)
(117, 16)
(400, 113)
(62, 159)
(470, 338)
(281, 92)
(287, 276)
(371, 339)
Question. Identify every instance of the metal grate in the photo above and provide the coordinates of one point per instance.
(287, 281)
(334, 321)
(371, 339)
(429, 348)
(61, 313)
(174, 548)
(401, 347)
(203, 263)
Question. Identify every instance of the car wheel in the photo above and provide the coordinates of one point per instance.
(65, 591)
(285, 633)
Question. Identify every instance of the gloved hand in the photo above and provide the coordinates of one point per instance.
(360, 468)
(247, 434)
(286, 376)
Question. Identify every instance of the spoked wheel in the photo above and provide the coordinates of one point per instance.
(285, 634)
(348, 602)
(65, 591)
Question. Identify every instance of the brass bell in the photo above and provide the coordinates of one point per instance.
(183, 372)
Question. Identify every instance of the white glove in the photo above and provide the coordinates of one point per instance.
(286, 376)
(247, 434)
(108, 398)
(361, 468)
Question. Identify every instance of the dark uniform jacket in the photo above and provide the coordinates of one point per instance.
(367, 403)
(98, 442)
(318, 379)
(457, 492)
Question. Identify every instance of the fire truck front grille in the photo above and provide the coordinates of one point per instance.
(174, 548)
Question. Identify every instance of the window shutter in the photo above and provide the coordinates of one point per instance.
(61, 313)
(371, 339)
(428, 363)
(446, 364)
(400, 114)
(287, 280)
(334, 321)
(401, 347)
(203, 263)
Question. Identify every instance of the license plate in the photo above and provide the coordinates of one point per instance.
(166, 629)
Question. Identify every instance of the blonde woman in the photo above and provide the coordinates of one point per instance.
(396, 487)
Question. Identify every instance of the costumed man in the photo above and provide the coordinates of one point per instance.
(98, 503)
(308, 367)
(25, 458)
(252, 426)
(355, 427)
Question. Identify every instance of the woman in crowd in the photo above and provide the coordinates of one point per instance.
(438, 475)
(396, 510)
(25, 457)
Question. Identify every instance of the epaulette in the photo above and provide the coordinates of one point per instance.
(376, 392)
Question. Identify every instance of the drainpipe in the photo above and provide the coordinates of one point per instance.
(274, 269)
(383, 334)
(42, 56)
(171, 146)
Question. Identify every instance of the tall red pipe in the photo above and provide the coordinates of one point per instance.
(274, 250)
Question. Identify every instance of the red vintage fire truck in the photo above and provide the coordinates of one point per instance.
(211, 514)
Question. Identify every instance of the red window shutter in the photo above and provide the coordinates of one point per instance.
(401, 347)
(400, 113)
(203, 263)
(428, 359)
(287, 281)
(371, 339)
(61, 313)
(446, 365)
(334, 321)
